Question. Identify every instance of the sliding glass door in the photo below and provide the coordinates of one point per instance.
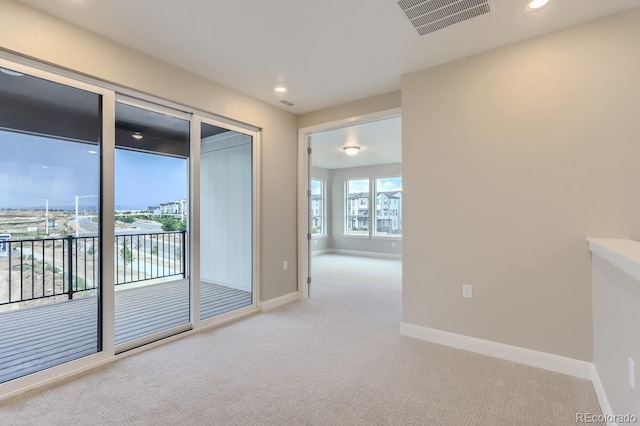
(152, 292)
(50, 216)
(99, 203)
(226, 220)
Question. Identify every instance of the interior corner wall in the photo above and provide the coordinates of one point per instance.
(385, 245)
(36, 35)
(511, 159)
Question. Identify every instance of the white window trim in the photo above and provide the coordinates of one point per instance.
(373, 191)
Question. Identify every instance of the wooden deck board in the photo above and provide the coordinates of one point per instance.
(36, 338)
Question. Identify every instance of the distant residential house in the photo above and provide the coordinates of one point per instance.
(389, 212)
(358, 213)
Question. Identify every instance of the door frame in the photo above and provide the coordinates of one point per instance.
(194, 218)
(304, 186)
(182, 115)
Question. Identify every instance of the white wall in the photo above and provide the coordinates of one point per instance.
(616, 316)
(226, 212)
(33, 34)
(510, 160)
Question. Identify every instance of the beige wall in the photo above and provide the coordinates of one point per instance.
(358, 108)
(34, 34)
(510, 159)
(616, 315)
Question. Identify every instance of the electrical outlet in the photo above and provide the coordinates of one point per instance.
(632, 374)
(393, 244)
(467, 291)
(285, 265)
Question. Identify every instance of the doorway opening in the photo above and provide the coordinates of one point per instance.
(353, 176)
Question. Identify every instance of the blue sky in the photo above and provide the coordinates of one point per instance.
(34, 169)
(144, 180)
(316, 187)
(382, 184)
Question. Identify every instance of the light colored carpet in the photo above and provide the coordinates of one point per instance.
(337, 359)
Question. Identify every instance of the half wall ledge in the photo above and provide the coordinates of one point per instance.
(621, 253)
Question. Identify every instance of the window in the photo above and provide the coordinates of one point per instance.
(317, 207)
(389, 206)
(357, 202)
(387, 215)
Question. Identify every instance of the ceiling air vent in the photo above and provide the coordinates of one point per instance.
(428, 16)
(286, 102)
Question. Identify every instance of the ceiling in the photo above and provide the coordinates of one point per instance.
(379, 142)
(326, 52)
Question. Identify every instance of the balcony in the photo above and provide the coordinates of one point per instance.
(49, 288)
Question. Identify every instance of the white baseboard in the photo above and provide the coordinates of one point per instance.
(367, 254)
(602, 396)
(319, 252)
(270, 304)
(546, 361)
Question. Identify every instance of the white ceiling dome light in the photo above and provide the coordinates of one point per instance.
(537, 4)
(351, 150)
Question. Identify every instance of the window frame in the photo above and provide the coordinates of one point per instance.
(372, 209)
(387, 207)
(346, 220)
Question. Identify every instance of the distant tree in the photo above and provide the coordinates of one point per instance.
(126, 254)
(171, 224)
(125, 219)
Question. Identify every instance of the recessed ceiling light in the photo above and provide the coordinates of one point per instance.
(537, 4)
(11, 72)
(137, 136)
(280, 89)
(351, 150)
(92, 152)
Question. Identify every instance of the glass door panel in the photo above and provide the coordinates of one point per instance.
(50, 145)
(152, 293)
(226, 221)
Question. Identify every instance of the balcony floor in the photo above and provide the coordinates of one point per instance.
(33, 339)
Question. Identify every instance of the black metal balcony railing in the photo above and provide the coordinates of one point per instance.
(42, 268)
